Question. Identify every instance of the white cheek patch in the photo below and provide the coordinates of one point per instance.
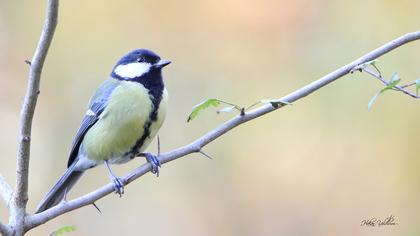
(132, 70)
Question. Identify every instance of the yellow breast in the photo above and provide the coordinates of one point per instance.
(121, 123)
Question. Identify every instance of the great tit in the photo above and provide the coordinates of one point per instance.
(122, 117)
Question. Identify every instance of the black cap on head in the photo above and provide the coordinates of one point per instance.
(139, 55)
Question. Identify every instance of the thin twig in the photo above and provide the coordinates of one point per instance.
(205, 154)
(408, 85)
(96, 206)
(397, 87)
(5, 190)
(40, 218)
(20, 196)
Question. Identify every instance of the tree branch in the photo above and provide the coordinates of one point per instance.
(20, 197)
(5, 190)
(196, 146)
(4, 229)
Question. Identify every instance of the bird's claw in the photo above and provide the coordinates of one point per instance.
(116, 181)
(154, 161)
(118, 186)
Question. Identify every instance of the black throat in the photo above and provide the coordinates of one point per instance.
(153, 82)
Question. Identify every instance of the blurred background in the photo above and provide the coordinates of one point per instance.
(318, 167)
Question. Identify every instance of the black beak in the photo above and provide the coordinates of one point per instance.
(162, 63)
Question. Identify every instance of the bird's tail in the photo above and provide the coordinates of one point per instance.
(61, 188)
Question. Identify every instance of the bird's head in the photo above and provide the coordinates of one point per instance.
(137, 64)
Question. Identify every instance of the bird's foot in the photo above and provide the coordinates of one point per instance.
(154, 161)
(118, 185)
(117, 182)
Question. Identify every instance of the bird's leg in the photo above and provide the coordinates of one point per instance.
(65, 195)
(118, 184)
(153, 160)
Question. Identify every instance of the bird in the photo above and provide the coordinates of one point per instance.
(123, 116)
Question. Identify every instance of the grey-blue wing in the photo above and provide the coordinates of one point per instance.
(97, 105)
(87, 122)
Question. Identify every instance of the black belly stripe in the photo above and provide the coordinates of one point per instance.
(146, 128)
(153, 82)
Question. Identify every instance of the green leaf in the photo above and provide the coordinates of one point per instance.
(373, 63)
(275, 102)
(227, 109)
(63, 230)
(213, 102)
(203, 105)
(395, 79)
(372, 100)
(417, 86)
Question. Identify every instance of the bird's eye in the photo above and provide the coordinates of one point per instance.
(140, 59)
